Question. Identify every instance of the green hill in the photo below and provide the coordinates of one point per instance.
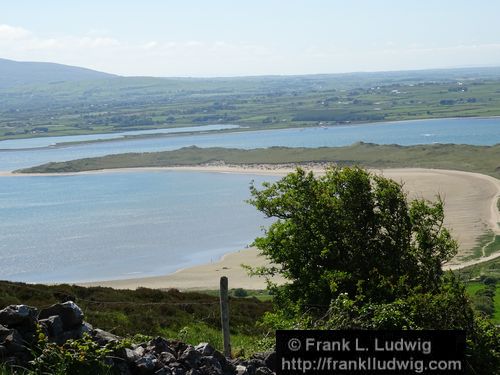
(17, 73)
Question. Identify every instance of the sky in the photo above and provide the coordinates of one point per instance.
(207, 38)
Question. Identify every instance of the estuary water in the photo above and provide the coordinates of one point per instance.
(475, 131)
(41, 142)
(123, 225)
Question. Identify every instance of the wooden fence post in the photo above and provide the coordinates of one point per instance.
(224, 314)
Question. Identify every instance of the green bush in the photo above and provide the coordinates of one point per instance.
(76, 357)
(358, 255)
(240, 292)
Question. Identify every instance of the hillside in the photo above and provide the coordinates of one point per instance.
(54, 100)
(17, 73)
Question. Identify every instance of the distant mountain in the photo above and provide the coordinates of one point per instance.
(16, 73)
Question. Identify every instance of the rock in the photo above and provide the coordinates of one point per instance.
(120, 367)
(227, 367)
(205, 348)
(219, 356)
(64, 321)
(251, 369)
(3, 330)
(139, 351)
(18, 315)
(146, 364)
(54, 326)
(75, 333)
(160, 345)
(85, 328)
(167, 358)
(257, 362)
(102, 337)
(128, 355)
(210, 365)
(177, 346)
(11, 340)
(191, 357)
(263, 371)
(270, 361)
(70, 314)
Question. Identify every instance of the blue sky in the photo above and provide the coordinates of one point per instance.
(253, 37)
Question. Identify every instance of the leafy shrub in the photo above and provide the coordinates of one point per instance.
(78, 357)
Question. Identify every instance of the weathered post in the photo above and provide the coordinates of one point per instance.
(224, 314)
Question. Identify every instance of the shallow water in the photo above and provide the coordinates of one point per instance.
(121, 225)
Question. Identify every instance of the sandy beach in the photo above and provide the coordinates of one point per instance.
(470, 211)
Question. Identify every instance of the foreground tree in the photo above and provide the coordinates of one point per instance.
(350, 232)
(357, 254)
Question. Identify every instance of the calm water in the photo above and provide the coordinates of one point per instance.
(122, 225)
(467, 131)
(110, 226)
(40, 142)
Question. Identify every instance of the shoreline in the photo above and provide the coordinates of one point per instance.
(262, 169)
(206, 276)
(201, 277)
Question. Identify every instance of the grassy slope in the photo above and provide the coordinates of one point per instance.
(193, 317)
(485, 269)
(481, 159)
(474, 286)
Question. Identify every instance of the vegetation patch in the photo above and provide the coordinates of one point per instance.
(193, 317)
(480, 159)
(493, 246)
(487, 244)
(485, 296)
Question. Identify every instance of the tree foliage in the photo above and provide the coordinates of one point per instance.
(353, 232)
(357, 254)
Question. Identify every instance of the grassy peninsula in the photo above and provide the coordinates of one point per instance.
(480, 159)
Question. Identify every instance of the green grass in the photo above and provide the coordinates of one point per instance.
(262, 295)
(481, 159)
(472, 276)
(191, 316)
(488, 243)
(493, 247)
(474, 286)
(489, 268)
(496, 316)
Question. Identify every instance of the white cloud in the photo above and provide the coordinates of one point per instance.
(151, 45)
(95, 42)
(163, 57)
(8, 32)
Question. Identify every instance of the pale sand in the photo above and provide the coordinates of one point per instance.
(203, 277)
(470, 209)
